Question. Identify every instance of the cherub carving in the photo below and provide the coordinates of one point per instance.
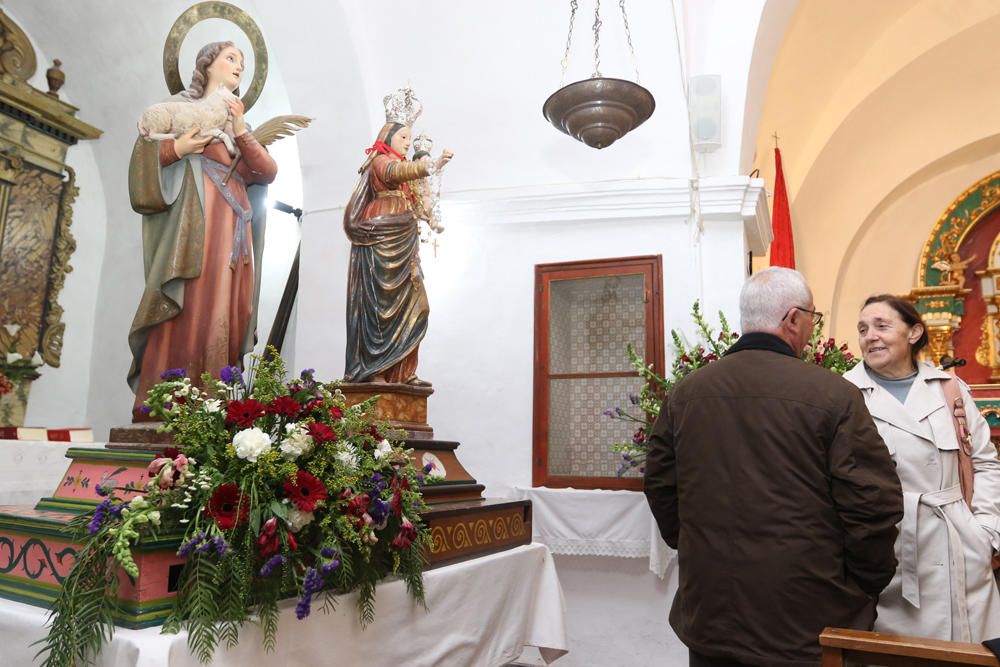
(953, 269)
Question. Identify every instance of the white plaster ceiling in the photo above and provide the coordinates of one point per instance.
(877, 104)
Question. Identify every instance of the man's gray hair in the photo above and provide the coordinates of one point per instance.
(768, 295)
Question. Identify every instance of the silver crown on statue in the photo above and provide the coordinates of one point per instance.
(402, 106)
(422, 144)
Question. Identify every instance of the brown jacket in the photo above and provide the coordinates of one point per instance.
(768, 476)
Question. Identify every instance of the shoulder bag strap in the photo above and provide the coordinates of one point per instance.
(953, 399)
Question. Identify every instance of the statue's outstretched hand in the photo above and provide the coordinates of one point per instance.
(443, 159)
(190, 142)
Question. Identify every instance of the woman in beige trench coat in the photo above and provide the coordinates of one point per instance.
(944, 586)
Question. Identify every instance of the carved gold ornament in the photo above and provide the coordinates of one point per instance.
(17, 56)
(215, 10)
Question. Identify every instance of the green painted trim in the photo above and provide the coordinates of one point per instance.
(150, 613)
(955, 305)
(963, 210)
(994, 403)
(133, 456)
(59, 504)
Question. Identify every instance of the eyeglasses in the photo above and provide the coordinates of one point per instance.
(816, 315)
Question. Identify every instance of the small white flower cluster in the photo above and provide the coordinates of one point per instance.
(383, 449)
(297, 441)
(346, 455)
(251, 443)
(203, 481)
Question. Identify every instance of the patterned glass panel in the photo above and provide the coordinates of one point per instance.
(580, 436)
(592, 319)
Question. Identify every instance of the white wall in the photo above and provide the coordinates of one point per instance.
(479, 349)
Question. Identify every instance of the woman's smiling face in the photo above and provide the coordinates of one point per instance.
(886, 341)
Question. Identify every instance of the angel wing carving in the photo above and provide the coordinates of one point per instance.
(270, 131)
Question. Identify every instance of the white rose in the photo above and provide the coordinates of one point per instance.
(383, 449)
(297, 441)
(14, 356)
(297, 519)
(12, 329)
(213, 405)
(138, 503)
(154, 517)
(347, 457)
(251, 443)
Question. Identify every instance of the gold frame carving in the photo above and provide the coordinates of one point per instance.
(65, 245)
(17, 55)
(36, 130)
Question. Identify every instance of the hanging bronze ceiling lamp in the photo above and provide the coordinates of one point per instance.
(600, 110)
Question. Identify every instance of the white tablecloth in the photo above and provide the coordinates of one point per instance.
(481, 613)
(584, 522)
(32, 469)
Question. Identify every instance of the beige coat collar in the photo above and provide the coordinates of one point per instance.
(923, 400)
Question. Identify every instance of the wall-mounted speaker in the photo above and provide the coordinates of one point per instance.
(705, 111)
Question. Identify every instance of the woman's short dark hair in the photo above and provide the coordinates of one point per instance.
(908, 312)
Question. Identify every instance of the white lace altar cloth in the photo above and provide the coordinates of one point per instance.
(585, 522)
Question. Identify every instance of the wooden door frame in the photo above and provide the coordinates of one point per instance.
(651, 267)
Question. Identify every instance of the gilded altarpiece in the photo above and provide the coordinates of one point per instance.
(37, 191)
(958, 292)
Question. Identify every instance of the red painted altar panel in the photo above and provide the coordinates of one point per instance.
(966, 339)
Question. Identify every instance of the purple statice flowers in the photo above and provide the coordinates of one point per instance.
(204, 544)
(173, 374)
(273, 562)
(231, 375)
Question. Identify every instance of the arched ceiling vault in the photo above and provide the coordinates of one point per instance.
(878, 106)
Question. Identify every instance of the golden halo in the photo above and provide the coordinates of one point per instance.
(215, 10)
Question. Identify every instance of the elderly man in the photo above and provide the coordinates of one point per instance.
(768, 476)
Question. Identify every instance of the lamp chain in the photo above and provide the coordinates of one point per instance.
(569, 40)
(628, 37)
(597, 39)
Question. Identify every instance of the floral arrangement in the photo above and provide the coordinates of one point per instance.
(15, 368)
(279, 489)
(687, 359)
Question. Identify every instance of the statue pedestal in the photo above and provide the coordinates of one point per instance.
(41, 552)
(402, 405)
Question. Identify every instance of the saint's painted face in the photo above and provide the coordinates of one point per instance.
(226, 69)
(400, 141)
(887, 341)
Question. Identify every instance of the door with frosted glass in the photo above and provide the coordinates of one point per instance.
(586, 313)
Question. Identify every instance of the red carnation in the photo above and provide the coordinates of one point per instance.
(373, 430)
(320, 432)
(244, 413)
(305, 491)
(336, 412)
(229, 506)
(170, 453)
(285, 406)
(404, 538)
(358, 505)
